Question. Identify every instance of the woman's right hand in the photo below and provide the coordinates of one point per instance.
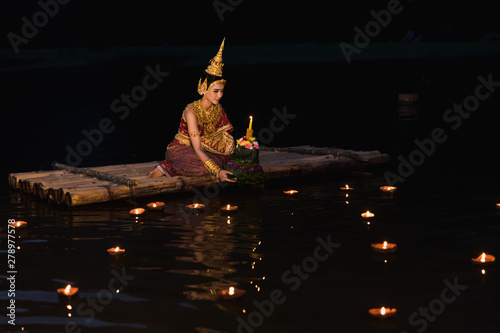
(224, 176)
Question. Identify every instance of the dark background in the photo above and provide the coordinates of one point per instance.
(95, 23)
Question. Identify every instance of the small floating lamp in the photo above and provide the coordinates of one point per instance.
(116, 251)
(382, 313)
(367, 215)
(291, 192)
(484, 259)
(19, 224)
(196, 207)
(231, 293)
(384, 247)
(68, 291)
(346, 188)
(229, 208)
(388, 189)
(137, 211)
(156, 205)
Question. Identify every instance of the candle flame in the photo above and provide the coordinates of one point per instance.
(18, 224)
(385, 245)
(483, 257)
(117, 249)
(382, 311)
(483, 271)
(196, 205)
(66, 290)
(231, 291)
(228, 207)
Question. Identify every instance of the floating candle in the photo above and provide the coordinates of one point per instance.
(137, 211)
(68, 291)
(196, 207)
(116, 251)
(291, 192)
(346, 188)
(231, 293)
(156, 205)
(229, 208)
(388, 189)
(367, 215)
(382, 313)
(384, 247)
(19, 224)
(484, 259)
(498, 205)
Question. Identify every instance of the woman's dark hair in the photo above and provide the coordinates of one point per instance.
(211, 78)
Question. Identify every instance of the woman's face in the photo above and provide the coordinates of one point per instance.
(215, 93)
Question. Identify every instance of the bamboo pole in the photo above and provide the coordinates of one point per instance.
(97, 174)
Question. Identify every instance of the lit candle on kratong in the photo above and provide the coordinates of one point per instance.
(384, 247)
(116, 251)
(484, 259)
(137, 211)
(156, 205)
(291, 192)
(367, 215)
(229, 208)
(498, 205)
(19, 224)
(68, 291)
(346, 188)
(231, 293)
(382, 313)
(388, 189)
(250, 130)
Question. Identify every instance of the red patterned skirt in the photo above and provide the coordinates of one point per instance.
(181, 160)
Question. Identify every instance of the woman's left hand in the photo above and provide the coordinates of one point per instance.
(224, 176)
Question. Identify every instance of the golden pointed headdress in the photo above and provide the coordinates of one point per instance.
(215, 69)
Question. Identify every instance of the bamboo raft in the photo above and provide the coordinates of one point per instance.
(72, 186)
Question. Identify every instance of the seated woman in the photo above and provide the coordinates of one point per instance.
(204, 141)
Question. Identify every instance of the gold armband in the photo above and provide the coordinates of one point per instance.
(212, 168)
(193, 134)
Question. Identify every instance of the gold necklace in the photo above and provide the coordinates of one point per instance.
(208, 119)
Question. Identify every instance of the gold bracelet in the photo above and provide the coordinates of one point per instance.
(212, 167)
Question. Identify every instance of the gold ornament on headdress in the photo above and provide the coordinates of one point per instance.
(215, 69)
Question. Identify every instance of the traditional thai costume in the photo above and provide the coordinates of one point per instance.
(214, 130)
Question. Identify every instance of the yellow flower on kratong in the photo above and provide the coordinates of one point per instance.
(244, 143)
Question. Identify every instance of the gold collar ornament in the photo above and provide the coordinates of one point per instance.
(215, 69)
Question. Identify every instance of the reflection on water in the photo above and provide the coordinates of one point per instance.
(175, 262)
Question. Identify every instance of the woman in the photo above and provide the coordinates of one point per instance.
(204, 141)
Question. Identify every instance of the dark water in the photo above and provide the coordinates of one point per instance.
(442, 215)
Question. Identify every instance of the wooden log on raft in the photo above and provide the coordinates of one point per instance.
(97, 174)
(15, 177)
(148, 187)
